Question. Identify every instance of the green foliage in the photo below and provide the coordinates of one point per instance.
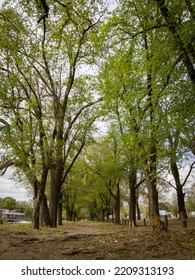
(9, 202)
(28, 211)
(1, 202)
(141, 58)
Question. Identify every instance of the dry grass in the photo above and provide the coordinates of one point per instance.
(92, 240)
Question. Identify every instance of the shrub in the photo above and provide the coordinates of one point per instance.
(1, 221)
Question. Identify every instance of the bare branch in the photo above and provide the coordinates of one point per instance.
(4, 166)
(169, 183)
(7, 125)
(77, 115)
(46, 11)
(139, 184)
(189, 172)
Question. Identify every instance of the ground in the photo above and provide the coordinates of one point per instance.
(97, 241)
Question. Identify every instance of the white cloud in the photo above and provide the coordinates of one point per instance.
(9, 188)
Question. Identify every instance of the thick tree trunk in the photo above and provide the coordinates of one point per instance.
(54, 198)
(181, 206)
(138, 208)
(155, 221)
(180, 194)
(44, 213)
(36, 213)
(60, 210)
(39, 190)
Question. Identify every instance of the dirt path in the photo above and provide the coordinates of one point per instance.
(87, 240)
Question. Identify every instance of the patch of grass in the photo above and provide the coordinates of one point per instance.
(16, 227)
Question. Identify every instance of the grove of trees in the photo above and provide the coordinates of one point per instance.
(97, 104)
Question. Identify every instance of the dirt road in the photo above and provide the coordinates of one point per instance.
(88, 240)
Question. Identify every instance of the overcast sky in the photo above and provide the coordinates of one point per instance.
(9, 188)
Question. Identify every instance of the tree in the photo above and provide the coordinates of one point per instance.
(144, 46)
(138, 97)
(1, 202)
(105, 160)
(50, 107)
(9, 202)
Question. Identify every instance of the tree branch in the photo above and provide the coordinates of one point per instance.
(189, 172)
(46, 11)
(169, 183)
(139, 184)
(5, 166)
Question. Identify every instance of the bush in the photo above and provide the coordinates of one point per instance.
(1, 221)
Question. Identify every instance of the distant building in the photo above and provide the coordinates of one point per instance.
(12, 215)
(162, 213)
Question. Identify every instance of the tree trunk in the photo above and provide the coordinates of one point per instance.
(68, 213)
(39, 190)
(44, 213)
(155, 221)
(103, 211)
(36, 213)
(138, 209)
(60, 210)
(180, 194)
(181, 206)
(150, 162)
(54, 198)
(132, 206)
(117, 205)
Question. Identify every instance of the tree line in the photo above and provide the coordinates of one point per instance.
(68, 67)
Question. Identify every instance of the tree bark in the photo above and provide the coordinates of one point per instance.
(132, 188)
(60, 210)
(44, 213)
(117, 202)
(117, 205)
(138, 208)
(37, 200)
(180, 194)
(54, 197)
(36, 213)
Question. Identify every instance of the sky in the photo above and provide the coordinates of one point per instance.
(9, 188)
